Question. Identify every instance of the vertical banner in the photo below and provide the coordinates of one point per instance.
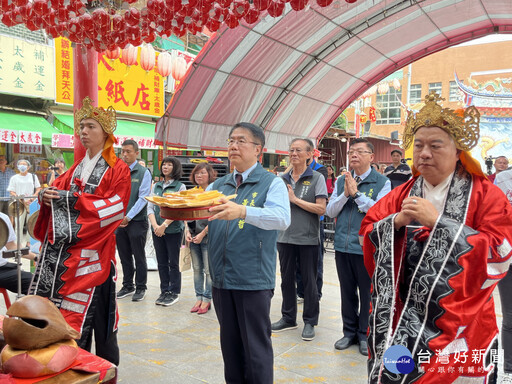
(64, 70)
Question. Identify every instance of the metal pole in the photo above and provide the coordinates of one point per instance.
(18, 245)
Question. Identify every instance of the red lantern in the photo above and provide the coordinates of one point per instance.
(276, 8)
(40, 7)
(240, 8)
(132, 16)
(86, 22)
(298, 5)
(231, 21)
(63, 13)
(20, 3)
(164, 64)
(252, 16)
(52, 31)
(129, 55)
(8, 19)
(150, 37)
(113, 54)
(213, 25)
(101, 18)
(261, 4)
(350, 1)
(179, 67)
(174, 5)
(324, 3)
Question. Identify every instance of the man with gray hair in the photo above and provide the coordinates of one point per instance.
(307, 192)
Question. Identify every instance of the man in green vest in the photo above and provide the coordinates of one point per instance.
(132, 232)
(354, 194)
(242, 255)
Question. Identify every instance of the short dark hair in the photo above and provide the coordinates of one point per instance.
(309, 143)
(256, 132)
(397, 151)
(131, 142)
(365, 141)
(176, 167)
(212, 173)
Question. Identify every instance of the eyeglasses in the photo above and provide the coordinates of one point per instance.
(296, 150)
(359, 153)
(242, 142)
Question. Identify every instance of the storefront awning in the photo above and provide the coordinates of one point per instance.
(28, 122)
(124, 127)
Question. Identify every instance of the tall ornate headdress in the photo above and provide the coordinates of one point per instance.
(462, 125)
(106, 118)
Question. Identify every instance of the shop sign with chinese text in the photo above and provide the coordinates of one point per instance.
(28, 137)
(26, 69)
(127, 89)
(8, 136)
(29, 148)
(62, 140)
(143, 142)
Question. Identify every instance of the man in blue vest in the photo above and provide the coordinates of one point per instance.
(242, 254)
(132, 232)
(354, 194)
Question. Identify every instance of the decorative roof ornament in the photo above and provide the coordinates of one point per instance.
(463, 125)
(106, 118)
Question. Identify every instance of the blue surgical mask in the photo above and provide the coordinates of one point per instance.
(22, 168)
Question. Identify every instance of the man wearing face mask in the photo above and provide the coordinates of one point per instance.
(24, 184)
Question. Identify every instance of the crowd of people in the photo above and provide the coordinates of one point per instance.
(418, 252)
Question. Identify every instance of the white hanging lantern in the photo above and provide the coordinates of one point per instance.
(396, 84)
(147, 57)
(164, 64)
(383, 88)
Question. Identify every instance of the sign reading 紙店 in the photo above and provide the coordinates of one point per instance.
(127, 89)
(27, 68)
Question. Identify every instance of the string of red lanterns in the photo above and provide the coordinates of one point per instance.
(108, 28)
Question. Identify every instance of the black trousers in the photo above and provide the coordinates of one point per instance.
(245, 335)
(9, 278)
(167, 249)
(355, 309)
(131, 243)
(320, 268)
(100, 320)
(307, 255)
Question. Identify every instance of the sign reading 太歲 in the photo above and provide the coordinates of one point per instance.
(26, 68)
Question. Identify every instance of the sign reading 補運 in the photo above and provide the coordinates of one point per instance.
(127, 89)
(26, 68)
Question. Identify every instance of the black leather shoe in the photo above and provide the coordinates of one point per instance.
(344, 343)
(363, 348)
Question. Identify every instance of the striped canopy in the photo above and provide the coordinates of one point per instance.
(295, 74)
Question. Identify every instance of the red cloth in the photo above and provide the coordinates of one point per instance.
(85, 361)
(330, 185)
(467, 308)
(85, 259)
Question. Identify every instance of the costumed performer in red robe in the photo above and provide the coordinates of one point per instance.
(435, 248)
(76, 224)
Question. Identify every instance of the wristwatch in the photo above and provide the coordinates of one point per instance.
(356, 195)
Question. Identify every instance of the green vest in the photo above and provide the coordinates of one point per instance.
(159, 190)
(137, 175)
(348, 223)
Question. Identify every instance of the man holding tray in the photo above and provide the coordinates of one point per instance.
(242, 256)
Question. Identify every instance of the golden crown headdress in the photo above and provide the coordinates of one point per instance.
(462, 125)
(106, 118)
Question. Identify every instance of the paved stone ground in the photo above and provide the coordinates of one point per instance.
(171, 345)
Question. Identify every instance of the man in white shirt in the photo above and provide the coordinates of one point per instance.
(24, 184)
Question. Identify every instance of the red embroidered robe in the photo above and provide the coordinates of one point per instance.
(433, 293)
(77, 236)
